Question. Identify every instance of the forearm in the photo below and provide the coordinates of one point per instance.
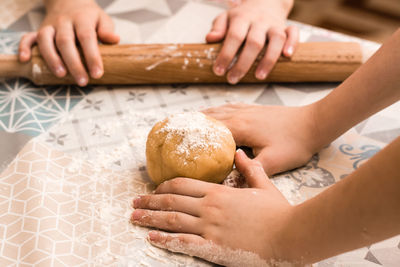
(374, 86)
(360, 210)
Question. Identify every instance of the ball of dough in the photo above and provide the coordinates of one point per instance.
(190, 144)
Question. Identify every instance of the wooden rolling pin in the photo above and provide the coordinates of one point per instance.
(192, 63)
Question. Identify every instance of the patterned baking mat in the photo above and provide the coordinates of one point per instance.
(85, 130)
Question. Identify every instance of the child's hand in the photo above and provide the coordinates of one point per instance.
(251, 24)
(65, 23)
(282, 138)
(214, 222)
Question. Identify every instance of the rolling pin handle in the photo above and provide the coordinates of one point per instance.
(11, 67)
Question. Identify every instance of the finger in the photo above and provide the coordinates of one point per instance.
(65, 40)
(220, 113)
(192, 245)
(218, 30)
(184, 186)
(105, 30)
(85, 31)
(224, 108)
(277, 160)
(168, 202)
(255, 42)
(25, 45)
(269, 163)
(234, 125)
(292, 33)
(236, 34)
(252, 170)
(276, 41)
(167, 220)
(48, 51)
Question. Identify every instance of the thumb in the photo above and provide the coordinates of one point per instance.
(105, 30)
(269, 162)
(218, 30)
(252, 170)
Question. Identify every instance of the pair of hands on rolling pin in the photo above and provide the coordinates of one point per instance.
(249, 24)
(226, 225)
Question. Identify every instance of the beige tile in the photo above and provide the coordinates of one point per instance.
(17, 206)
(31, 224)
(10, 250)
(47, 223)
(27, 248)
(14, 225)
(63, 247)
(23, 166)
(35, 256)
(45, 244)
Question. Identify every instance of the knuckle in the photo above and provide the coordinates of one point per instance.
(212, 233)
(62, 40)
(61, 20)
(235, 36)
(233, 13)
(278, 33)
(255, 164)
(168, 202)
(42, 34)
(183, 240)
(176, 183)
(85, 35)
(144, 201)
(171, 219)
(256, 44)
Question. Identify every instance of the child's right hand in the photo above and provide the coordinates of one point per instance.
(252, 24)
(282, 138)
(66, 24)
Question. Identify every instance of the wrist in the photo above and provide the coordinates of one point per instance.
(287, 6)
(57, 5)
(315, 138)
(324, 125)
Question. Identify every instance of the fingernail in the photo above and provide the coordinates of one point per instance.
(82, 81)
(261, 75)
(136, 202)
(23, 54)
(97, 73)
(290, 50)
(240, 151)
(233, 78)
(219, 70)
(154, 235)
(136, 215)
(60, 71)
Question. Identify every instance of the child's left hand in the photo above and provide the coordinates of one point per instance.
(213, 221)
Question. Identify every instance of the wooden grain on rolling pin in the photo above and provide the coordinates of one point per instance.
(192, 63)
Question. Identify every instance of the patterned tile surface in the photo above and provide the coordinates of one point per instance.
(57, 212)
(105, 128)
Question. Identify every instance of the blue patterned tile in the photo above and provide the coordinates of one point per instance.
(30, 109)
(9, 42)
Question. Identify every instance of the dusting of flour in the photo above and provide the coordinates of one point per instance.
(219, 254)
(127, 157)
(196, 130)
